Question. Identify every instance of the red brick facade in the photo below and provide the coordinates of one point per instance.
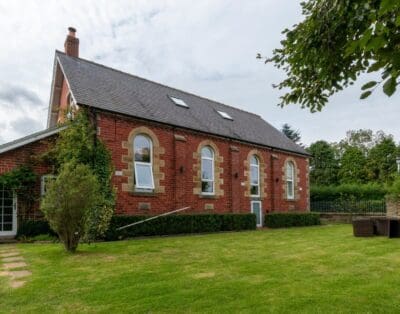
(31, 155)
(176, 164)
(178, 171)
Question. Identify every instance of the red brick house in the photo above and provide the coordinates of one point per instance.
(170, 148)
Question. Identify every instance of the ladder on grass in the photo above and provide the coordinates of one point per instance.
(155, 217)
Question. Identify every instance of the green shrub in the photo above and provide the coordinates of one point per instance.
(179, 224)
(283, 220)
(32, 228)
(351, 206)
(70, 201)
(393, 193)
(371, 191)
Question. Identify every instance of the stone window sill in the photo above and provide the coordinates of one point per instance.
(208, 196)
(145, 194)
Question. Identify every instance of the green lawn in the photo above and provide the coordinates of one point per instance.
(307, 270)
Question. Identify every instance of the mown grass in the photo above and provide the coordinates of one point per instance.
(305, 270)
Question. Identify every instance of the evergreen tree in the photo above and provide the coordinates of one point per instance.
(294, 135)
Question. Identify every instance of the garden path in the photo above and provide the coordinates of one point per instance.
(13, 266)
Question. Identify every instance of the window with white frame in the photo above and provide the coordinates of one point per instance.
(44, 183)
(143, 163)
(254, 176)
(290, 180)
(207, 170)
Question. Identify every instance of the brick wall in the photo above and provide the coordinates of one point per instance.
(28, 155)
(177, 171)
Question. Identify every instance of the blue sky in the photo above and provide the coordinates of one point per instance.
(204, 47)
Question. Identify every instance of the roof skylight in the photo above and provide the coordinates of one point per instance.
(179, 102)
(225, 115)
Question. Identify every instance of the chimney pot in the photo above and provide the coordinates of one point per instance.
(71, 45)
(72, 31)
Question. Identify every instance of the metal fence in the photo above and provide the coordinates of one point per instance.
(349, 206)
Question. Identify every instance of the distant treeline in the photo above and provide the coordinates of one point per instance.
(362, 157)
(356, 192)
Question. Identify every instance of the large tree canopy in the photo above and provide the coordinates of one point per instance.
(381, 162)
(336, 42)
(324, 164)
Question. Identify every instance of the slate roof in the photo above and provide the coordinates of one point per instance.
(105, 88)
(29, 139)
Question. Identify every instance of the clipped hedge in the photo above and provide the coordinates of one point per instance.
(32, 228)
(371, 191)
(179, 224)
(284, 220)
(352, 206)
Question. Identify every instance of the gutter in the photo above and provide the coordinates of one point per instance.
(304, 155)
(29, 139)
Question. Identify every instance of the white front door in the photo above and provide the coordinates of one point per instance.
(8, 212)
(256, 209)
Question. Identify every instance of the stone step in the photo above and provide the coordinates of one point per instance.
(7, 240)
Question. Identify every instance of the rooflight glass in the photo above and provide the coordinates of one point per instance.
(179, 102)
(225, 115)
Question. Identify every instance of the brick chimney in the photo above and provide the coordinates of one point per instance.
(71, 45)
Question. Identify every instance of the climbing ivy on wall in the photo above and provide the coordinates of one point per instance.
(20, 179)
(79, 144)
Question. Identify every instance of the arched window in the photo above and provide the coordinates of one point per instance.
(254, 176)
(207, 170)
(290, 180)
(143, 151)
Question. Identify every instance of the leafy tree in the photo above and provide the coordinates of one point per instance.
(292, 134)
(78, 144)
(381, 162)
(324, 164)
(362, 139)
(394, 190)
(69, 202)
(353, 166)
(334, 44)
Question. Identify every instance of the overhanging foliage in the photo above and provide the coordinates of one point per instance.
(334, 44)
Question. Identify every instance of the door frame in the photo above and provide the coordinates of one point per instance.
(13, 232)
(261, 212)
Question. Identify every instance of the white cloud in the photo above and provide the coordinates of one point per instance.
(205, 47)
(25, 125)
